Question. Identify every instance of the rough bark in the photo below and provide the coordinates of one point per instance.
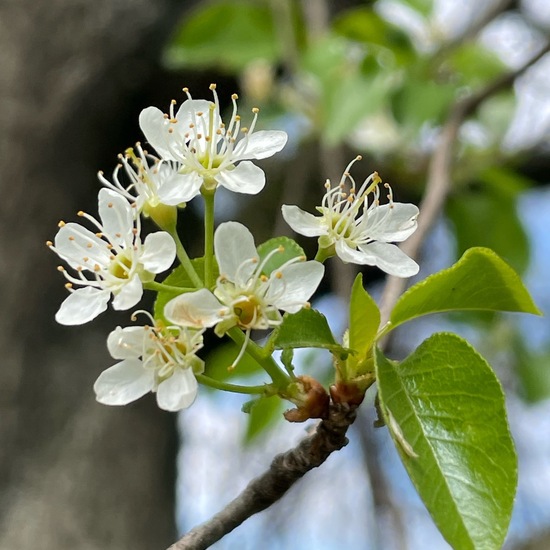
(73, 474)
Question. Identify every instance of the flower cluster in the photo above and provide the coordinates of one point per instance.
(194, 153)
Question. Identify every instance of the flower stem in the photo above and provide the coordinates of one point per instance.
(161, 287)
(183, 257)
(235, 388)
(208, 237)
(279, 377)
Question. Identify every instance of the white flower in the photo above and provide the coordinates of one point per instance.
(111, 261)
(209, 152)
(245, 296)
(359, 232)
(153, 359)
(150, 181)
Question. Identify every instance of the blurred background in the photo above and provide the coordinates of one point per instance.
(376, 78)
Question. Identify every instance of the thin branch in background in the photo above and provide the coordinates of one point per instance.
(330, 434)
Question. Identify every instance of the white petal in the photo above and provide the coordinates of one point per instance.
(245, 178)
(123, 383)
(177, 392)
(117, 216)
(82, 306)
(350, 255)
(392, 260)
(179, 188)
(234, 247)
(187, 114)
(303, 222)
(129, 295)
(127, 342)
(81, 248)
(155, 128)
(198, 309)
(392, 223)
(260, 145)
(296, 286)
(158, 252)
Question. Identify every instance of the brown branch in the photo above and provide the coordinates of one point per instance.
(284, 471)
(439, 174)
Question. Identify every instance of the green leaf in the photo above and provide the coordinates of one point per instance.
(225, 34)
(263, 413)
(445, 410)
(364, 25)
(364, 318)
(480, 280)
(487, 216)
(306, 329)
(223, 356)
(179, 277)
(291, 249)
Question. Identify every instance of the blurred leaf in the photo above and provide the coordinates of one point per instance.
(291, 249)
(364, 318)
(445, 410)
(224, 34)
(479, 280)
(533, 371)
(344, 95)
(306, 329)
(365, 26)
(475, 64)
(488, 217)
(223, 356)
(423, 7)
(263, 414)
(420, 101)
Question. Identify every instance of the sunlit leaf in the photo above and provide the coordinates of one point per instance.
(306, 329)
(445, 410)
(480, 280)
(364, 318)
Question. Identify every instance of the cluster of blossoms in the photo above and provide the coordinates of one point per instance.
(194, 154)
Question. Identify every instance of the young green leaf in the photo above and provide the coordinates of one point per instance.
(364, 318)
(445, 409)
(290, 249)
(480, 280)
(306, 329)
(263, 413)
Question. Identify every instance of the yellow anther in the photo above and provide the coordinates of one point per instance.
(170, 130)
(255, 110)
(85, 259)
(71, 238)
(61, 223)
(173, 102)
(279, 274)
(306, 305)
(49, 243)
(264, 278)
(234, 96)
(68, 285)
(97, 267)
(89, 245)
(212, 86)
(80, 213)
(185, 90)
(60, 268)
(109, 205)
(281, 248)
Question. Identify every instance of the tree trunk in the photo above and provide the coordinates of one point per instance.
(73, 473)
